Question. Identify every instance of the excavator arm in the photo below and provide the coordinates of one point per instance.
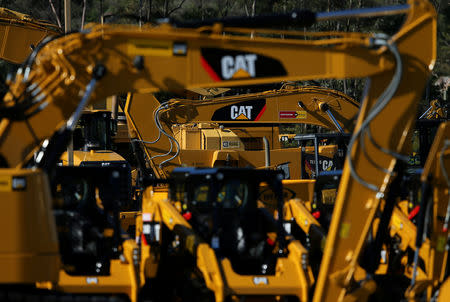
(433, 220)
(358, 198)
(308, 105)
(319, 106)
(148, 60)
(46, 92)
(21, 33)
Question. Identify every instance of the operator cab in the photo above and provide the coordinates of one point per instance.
(95, 131)
(222, 206)
(87, 205)
(323, 157)
(328, 153)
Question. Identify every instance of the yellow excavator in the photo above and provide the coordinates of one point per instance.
(313, 214)
(21, 33)
(44, 97)
(210, 133)
(96, 121)
(401, 225)
(230, 131)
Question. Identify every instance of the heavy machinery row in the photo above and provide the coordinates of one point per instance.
(203, 203)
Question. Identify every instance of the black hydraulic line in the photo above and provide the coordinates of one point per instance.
(364, 12)
(316, 234)
(114, 206)
(281, 232)
(426, 190)
(51, 151)
(50, 154)
(145, 176)
(421, 224)
(316, 156)
(373, 251)
(335, 122)
(325, 108)
(17, 112)
(30, 59)
(303, 18)
(98, 73)
(297, 18)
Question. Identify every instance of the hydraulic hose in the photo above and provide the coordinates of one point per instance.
(383, 100)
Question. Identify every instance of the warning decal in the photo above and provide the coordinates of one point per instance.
(292, 114)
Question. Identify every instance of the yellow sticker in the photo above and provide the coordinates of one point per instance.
(292, 114)
(396, 222)
(5, 183)
(150, 48)
(328, 196)
(301, 115)
(440, 244)
(345, 230)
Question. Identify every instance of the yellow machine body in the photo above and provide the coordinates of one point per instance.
(29, 252)
(151, 59)
(292, 278)
(205, 143)
(104, 156)
(20, 33)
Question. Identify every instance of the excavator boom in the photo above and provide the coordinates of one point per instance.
(151, 60)
(305, 105)
(21, 33)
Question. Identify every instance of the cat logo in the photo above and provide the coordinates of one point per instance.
(240, 66)
(327, 165)
(260, 280)
(228, 64)
(241, 112)
(251, 110)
